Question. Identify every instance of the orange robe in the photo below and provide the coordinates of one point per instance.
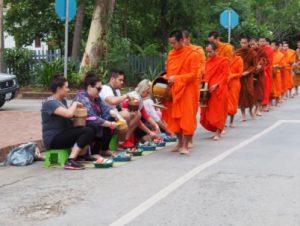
(181, 113)
(296, 76)
(278, 60)
(214, 116)
(234, 85)
(202, 59)
(268, 75)
(225, 50)
(290, 59)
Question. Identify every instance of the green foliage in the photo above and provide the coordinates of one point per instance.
(45, 70)
(19, 62)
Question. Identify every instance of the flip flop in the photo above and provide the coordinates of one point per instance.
(103, 163)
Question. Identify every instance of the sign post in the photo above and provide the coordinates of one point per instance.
(66, 11)
(229, 19)
(66, 39)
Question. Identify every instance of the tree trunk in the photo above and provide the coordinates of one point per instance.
(95, 47)
(126, 18)
(78, 32)
(164, 23)
(1, 37)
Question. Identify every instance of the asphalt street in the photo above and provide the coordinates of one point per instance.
(251, 177)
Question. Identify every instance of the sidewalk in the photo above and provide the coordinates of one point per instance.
(18, 128)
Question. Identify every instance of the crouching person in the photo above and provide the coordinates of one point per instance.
(146, 128)
(98, 114)
(57, 129)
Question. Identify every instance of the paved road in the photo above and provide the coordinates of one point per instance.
(250, 177)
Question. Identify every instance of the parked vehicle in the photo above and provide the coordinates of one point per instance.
(8, 88)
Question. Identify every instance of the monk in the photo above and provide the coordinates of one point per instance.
(264, 43)
(213, 117)
(183, 69)
(223, 49)
(296, 69)
(279, 64)
(202, 59)
(259, 75)
(247, 99)
(234, 86)
(290, 56)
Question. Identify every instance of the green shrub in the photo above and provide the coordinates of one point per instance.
(20, 63)
(45, 70)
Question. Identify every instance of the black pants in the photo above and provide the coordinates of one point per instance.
(102, 143)
(68, 137)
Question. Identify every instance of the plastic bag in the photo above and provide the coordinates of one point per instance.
(23, 155)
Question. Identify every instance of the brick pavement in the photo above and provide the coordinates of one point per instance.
(17, 128)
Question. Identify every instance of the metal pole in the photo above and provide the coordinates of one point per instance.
(66, 39)
(229, 26)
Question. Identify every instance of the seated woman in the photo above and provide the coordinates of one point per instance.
(99, 114)
(56, 124)
(147, 127)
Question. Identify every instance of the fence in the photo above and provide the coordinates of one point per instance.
(136, 67)
(144, 66)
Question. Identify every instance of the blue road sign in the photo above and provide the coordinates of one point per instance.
(60, 9)
(229, 16)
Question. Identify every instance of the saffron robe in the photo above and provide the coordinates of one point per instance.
(268, 75)
(259, 75)
(290, 59)
(247, 99)
(214, 116)
(278, 60)
(234, 85)
(225, 50)
(181, 112)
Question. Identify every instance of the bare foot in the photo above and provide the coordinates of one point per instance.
(258, 114)
(216, 137)
(184, 151)
(242, 120)
(176, 148)
(223, 131)
(190, 145)
(232, 125)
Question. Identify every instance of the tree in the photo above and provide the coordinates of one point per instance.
(78, 30)
(95, 48)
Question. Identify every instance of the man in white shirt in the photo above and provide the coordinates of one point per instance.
(111, 95)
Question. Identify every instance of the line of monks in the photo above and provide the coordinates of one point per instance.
(256, 76)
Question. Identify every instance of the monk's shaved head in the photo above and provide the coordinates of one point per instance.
(176, 40)
(214, 37)
(177, 35)
(211, 49)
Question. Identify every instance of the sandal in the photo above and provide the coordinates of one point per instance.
(103, 163)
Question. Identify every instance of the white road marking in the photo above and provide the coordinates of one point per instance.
(134, 213)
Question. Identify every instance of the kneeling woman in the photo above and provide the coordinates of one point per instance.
(99, 114)
(57, 128)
